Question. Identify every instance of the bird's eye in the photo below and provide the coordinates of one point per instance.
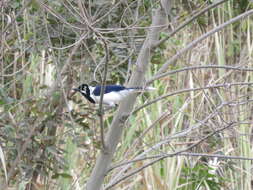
(84, 88)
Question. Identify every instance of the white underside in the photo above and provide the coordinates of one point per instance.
(113, 98)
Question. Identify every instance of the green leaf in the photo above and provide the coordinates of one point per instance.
(64, 175)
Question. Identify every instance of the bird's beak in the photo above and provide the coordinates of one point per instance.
(75, 90)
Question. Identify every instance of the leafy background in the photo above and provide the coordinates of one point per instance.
(50, 138)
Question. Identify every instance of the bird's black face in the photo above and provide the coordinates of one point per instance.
(83, 89)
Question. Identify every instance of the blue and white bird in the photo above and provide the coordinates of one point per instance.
(113, 94)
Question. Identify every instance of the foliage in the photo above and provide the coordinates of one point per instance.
(50, 138)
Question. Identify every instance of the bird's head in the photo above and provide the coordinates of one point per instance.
(83, 89)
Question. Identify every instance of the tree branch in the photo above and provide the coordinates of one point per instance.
(166, 155)
(189, 90)
(238, 68)
(188, 154)
(101, 112)
(115, 131)
(188, 21)
(201, 38)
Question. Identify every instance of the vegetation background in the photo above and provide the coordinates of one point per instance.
(193, 132)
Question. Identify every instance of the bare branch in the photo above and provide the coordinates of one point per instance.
(201, 38)
(179, 134)
(166, 155)
(181, 26)
(101, 112)
(188, 154)
(238, 68)
(226, 85)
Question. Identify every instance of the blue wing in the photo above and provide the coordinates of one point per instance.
(108, 89)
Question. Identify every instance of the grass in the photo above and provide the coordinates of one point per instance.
(62, 155)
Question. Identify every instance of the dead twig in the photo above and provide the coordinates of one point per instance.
(166, 155)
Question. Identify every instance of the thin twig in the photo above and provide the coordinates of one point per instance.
(201, 38)
(26, 4)
(58, 16)
(189, 154)
(189, 90)
(107, 13)
(167, 155)
(189, 21)
(101, 112)
(25, 145)
(103, 82)
(238, 68)
(176, 135)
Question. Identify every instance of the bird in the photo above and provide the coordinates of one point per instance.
(113, 94)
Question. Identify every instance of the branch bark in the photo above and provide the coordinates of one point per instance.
(101, 112)
(137, 79)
